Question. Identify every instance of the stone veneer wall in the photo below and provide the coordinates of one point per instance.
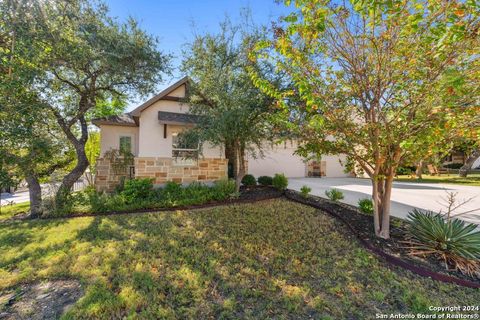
(163, 170)
(316, 168)
(106, 179)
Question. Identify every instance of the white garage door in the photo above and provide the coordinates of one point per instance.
(279, 159)
(335, 168)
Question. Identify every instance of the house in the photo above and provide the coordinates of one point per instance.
(151, 133)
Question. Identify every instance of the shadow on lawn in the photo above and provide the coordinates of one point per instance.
(207, 264)
(189, 265)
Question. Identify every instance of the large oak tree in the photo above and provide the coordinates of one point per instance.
(83, 58)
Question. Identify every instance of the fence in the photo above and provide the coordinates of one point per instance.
(79, 185)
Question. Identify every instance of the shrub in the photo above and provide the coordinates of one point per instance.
(121, 185)
(334, 194)
(173, 194)
(172, 188)
(405, 171)
(140, 194)
(279, 181)
(103, 202)
(170, 194)
(366, 205)
(137, 190)
(224, 189)
(195, 193)
(305, 190)
(249, 180)
(454, 241)
(265, 180)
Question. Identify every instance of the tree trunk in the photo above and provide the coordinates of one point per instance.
(419, 170)
(82, 160)
(241, 167)
(229, 155)
(463, 172)
(35, 192)
(69, 180)
(381, 194)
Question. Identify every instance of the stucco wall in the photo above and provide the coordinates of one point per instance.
(334, 166)
(148, 138)
(281, 159)
(152, 142)
(110, 137)
(179, 92)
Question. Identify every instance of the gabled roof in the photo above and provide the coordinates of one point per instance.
(177, 118)
(118, 120)
(160, 96)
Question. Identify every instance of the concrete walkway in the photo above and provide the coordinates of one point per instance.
(405, 195)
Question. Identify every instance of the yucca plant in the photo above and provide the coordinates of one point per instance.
(453, 240)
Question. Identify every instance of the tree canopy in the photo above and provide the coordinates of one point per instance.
(376, 80)
(234, 113)
(82, 63)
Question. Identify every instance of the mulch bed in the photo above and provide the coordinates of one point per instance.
(394, 249)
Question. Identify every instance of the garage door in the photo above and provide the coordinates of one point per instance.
(278, 159)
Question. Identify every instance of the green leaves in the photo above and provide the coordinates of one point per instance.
(225, 74)
(452, 240)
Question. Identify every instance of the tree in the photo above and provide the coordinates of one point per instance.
(471, 159)
(91, 59)
(31, 144)
(233, 112)
(372, 77)
(92, 150)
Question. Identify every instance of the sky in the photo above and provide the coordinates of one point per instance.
(174, 22)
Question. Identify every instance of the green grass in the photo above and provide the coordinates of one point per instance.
(470, 180)
(271, 259)
(7, 212)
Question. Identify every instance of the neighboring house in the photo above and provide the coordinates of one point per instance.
(454, 157)
(150, 132)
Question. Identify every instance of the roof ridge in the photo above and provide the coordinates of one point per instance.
(162, 94)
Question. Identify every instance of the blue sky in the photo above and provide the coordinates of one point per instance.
(172, 21)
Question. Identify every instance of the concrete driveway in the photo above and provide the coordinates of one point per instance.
(405, 196)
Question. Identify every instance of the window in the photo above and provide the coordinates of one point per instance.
(184, 150)
(125, 144)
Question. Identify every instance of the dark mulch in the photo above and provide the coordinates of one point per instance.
(259, 193)
(363, 225)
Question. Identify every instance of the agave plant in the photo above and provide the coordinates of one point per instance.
(453, 240)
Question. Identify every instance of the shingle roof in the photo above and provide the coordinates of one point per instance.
(177, 118)
(119, 120)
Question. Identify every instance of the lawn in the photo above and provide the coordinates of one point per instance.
(472, 179)
(7, 212)
(270, 259)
